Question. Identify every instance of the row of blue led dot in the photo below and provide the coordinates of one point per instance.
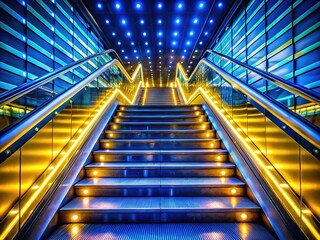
(159, 5)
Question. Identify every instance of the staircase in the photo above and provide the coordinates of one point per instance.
(160, 173)
(159, 96)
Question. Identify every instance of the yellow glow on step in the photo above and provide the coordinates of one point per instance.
(117, 120)
(111, 134)
(219, 157)
(95, 173)
(120, 114)
(107, 145)
(75, 217)
(122, 108)
(85, 191)
(115, 127)
(223, 173)
(35, 187)
(211, 145)
(233, 190)
(208, 135)
(101, 157)
(244, 216)
(197, 113)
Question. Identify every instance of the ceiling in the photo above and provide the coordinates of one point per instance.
(158, 34)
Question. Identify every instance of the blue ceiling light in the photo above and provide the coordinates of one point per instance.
(135, 50)
(220, 4)
(191, 33)
(137, 57)
(201, 5)
(148, 51)
(174, 43)
(99, 5)
(122, 50)
(126, 57)
(185, 50)
(206, 33)
(128, 34)
(200, 43)
(188, 42)
(175, 33)
(159, 5)
(159, 43)
(144, 34)
(160, 50)
(107, 21)
(138, 5)
(132, 43)
(159, 21)
(211, 21)
(119, 43)
(178, 20)
(123, 21)
(113, 34)
(118, 6)
(180, 5)
(195, 20)
(159, 33)
(146, 43)
(141, 21)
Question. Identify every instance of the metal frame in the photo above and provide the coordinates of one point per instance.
(27, 87)
(301, 126)
(14, 133)
(297, 89)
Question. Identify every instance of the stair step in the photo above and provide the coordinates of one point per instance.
(159, 143)
(164, 231)
(173, 155)
(142, 134)
(155, 107)
(155, 125)
(162, 118)
(159, 112)
(160, 169)
(159, 209)
(150, 187)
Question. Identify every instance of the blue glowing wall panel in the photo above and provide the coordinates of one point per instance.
(280, 36)
(40, 36)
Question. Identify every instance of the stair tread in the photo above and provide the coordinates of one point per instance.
(160, 131)
(161, 231)
(163, 181)
(162, 116)
(160, 140)
(179, 151)
(158, 123)
(160, 204)
(163, 165)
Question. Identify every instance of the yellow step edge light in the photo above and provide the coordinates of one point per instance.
(291, 202)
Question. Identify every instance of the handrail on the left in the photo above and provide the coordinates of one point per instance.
(27, 87)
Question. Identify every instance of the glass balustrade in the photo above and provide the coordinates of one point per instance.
(290, 170)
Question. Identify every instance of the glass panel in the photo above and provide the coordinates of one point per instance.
(290, 170)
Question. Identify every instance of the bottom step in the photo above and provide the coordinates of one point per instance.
(172, 231)
(159, 209)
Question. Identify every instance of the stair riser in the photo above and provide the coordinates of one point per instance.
(156, 192)
(137, 113)
(138, 135)
(147, 173)
(157, 216)
(148, 119)
(146, 126)
(159, 145)
(160, 157)
(156, 107)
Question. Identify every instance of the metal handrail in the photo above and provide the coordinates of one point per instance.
(18, 130)
(291, 119)
(297, 89)
(27, 87)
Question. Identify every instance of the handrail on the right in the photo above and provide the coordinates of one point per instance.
(297, 89)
